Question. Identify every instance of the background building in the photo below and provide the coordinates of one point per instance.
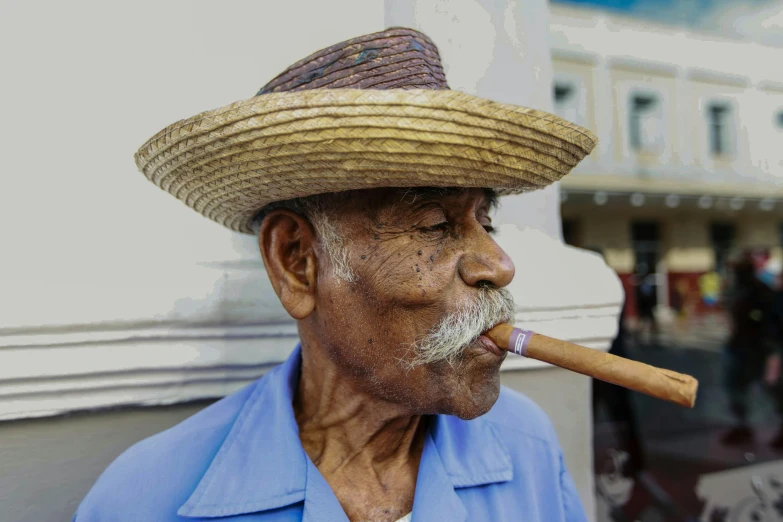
(690, 164)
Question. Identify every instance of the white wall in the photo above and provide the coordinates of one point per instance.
(84, 85)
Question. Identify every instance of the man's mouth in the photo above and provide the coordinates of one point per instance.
(490, 346)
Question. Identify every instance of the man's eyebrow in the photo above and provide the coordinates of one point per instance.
(414, 194)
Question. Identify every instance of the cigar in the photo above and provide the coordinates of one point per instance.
(655, 382)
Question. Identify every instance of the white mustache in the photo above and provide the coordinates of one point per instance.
(458, 330)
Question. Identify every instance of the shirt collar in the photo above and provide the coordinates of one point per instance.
(261, 465)
(472, 452)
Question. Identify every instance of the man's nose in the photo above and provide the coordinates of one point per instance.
(485, 262)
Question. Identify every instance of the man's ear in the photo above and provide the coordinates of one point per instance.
(286, 240)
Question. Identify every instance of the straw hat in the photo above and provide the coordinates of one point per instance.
(374, 111)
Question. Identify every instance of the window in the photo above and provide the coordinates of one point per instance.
(567, 101)
(563, 93)
(645, 126)
(719, 118)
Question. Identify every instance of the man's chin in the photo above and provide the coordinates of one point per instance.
(477, 401)
(469, 386)
(474, 387)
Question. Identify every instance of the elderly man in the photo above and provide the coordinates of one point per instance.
(370, 187)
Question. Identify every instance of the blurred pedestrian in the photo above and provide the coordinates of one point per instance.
(646, 301)
(750, 306)
(771, 276)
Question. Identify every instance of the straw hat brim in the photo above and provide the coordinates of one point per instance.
(230, 162)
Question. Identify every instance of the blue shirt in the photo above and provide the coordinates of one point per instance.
(241, 458)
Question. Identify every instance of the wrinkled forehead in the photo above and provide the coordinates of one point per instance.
(401, 199)
(373, 203)
(395, 205)
(411, 195)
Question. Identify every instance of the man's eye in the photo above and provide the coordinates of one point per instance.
(490, 229)
(440, 227)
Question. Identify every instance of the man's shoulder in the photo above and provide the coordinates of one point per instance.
(515, 412)
(157, 475)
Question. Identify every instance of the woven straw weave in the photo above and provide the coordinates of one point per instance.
(230, 162)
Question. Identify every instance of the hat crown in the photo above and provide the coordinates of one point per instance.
(397, 58)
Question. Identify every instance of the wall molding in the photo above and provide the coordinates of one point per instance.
(56, 368)
(44, 374)
(574, 56)
(768, 85)
(643, 66)
(717, 77)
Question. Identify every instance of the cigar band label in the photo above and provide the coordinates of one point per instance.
(518, 342)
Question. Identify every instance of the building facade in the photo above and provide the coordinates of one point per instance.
(689, 169)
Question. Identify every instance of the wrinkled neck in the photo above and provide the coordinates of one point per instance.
(342, 425)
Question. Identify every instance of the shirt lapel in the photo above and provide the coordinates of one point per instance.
(457, 454)
(261, 465)
(435, 498)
